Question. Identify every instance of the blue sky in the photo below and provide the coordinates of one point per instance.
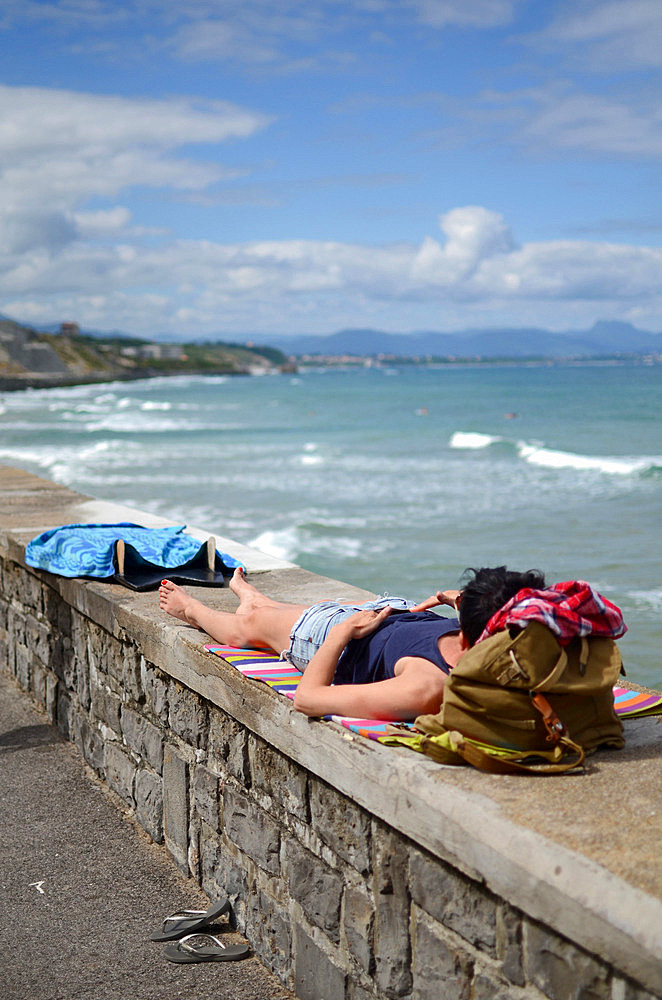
(258, 166)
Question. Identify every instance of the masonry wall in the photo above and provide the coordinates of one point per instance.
(337, 902)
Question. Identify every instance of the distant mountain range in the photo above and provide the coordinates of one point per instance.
(604, 338)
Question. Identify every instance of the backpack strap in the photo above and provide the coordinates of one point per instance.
(550, 680)
(509, 765)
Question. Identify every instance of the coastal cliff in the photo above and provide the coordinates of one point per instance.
(30, 359)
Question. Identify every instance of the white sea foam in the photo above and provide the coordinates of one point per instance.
(285, 544)
(651, 599)
(153, 405)
(471, 439)
(551, 459)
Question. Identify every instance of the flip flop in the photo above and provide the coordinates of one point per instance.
(186, 921)
(185, 952)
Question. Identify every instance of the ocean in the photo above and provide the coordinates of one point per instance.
(395, 479)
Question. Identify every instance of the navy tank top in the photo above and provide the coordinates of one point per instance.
(403, 633)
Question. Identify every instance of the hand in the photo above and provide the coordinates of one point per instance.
(362, 623)
(448, 597)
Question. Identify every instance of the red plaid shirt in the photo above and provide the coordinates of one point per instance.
(568, 609)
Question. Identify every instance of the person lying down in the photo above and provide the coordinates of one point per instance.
(385, 659)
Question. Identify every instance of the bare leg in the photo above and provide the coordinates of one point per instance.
(250, 598)
(257, 621)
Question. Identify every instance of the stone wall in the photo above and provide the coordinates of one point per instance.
(337, 901)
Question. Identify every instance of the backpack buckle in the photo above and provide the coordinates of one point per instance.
(555, 728)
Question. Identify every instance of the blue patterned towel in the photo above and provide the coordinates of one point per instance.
(88, 549)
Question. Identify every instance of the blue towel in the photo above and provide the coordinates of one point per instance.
(87, 549)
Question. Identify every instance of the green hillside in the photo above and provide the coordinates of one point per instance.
(32, 359)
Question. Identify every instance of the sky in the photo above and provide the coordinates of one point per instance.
(236, 168)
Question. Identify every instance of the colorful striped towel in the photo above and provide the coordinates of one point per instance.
(630, 704)
(264, 665)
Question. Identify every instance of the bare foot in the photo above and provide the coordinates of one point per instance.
(176, 602)
(249, 596)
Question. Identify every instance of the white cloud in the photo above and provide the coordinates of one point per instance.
(609, 33)
(192, 288)
(556, 118)
(466, 13)
(473, 234)
(62, 148)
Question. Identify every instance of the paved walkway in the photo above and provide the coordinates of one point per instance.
(82, 888)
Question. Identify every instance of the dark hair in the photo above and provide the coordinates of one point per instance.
(487, 590)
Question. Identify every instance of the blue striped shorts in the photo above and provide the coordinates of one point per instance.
(312, 627)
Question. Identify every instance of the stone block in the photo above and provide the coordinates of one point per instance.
(16, 624)
(22, 662)
(143, 738)
(30, 590)
(357, 992)
(509, 943)
(38, 683)
(270, 933)
(106, 708)
(52, 686)
(120, 772)
(358, 925)
(455, 901)
(561, 970)
(439, 969)
(341, 824)
(149, 803)
(175, 806)
(131, 673)
(252, 830)
(92, 745)
(316, 887)
(205, 795)
(316, 976)
(391, 893)
(625, 989)
(227, 746)
(41, 639)
(83, 684)
(57, 613)
(487, 988)
(80, 631)
(274, 773)
(64, 713)
(222, 874)
(154, 685)
(187, 716)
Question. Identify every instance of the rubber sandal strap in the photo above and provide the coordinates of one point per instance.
(176, 925)
(184, 943)
(181, 914)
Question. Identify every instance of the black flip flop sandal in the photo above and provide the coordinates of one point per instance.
(187, 921)
(186, 952)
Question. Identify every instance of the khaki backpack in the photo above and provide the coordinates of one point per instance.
(520, 695)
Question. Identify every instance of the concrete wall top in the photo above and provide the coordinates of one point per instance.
(579, 852)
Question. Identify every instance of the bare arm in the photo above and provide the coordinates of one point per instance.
(417, 688)
(448, 597)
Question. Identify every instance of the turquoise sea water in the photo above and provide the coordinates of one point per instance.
(394, 479)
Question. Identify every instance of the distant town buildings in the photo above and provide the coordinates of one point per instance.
(70, 329)
(155, 352)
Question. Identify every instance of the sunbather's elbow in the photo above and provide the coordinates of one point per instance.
(304, 704)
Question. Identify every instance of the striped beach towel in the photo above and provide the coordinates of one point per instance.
(263, 665)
